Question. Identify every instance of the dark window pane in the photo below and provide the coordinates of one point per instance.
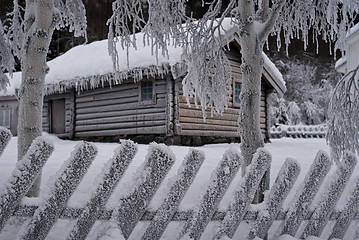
(237, 91)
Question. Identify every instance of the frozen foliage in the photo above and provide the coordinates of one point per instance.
(281, 114)
(179, 186)
(348, 213)
(244, 194)
(131, 208)
(343, 122)
(6, 60)
(23, 177)
(5, 136)
(305, 194)
(294, 113)
(68, 178)
(211, 197)
(273, 202)
(330, 197)
(110, 176)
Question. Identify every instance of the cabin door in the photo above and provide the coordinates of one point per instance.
(57, 116)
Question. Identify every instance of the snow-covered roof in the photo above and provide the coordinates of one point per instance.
(90, 65)
(341, 65)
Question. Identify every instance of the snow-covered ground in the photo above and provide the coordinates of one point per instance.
(303, 150)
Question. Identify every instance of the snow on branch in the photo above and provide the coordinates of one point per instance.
(72, 14)
(6, 59)
(5, 136)
(343, 122)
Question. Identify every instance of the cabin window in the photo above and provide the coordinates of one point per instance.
(57, 116)
(236, 93)
(5, 118)
(147, 92)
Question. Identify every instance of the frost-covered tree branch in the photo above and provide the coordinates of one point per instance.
(343, 122)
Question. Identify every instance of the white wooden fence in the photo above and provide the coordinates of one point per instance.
(133, 208)
(298, 131)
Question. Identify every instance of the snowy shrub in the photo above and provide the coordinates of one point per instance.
(294, 113)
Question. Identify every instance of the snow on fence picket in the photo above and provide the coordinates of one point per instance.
(298, 131)
(133, 208)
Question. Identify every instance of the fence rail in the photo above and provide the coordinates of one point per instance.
(134, 207)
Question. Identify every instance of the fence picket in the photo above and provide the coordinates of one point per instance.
(5, 136)
(68, 178)
(325, 207)
(286, 178)
(110, 176)
(305, 195)
(219, 183)
(347, 214)
(184, 178)
(245, 193)
(131, 208)
(23, 177)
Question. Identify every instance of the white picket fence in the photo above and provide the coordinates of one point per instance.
(134, 208)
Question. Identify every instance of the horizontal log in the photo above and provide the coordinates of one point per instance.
(206, 127)
(99, 127)
(197, 113)
(208, 121)
(118, 113)
(127, 118)
(124, 131)
(96, 103)
(209, 133)
(161, 103)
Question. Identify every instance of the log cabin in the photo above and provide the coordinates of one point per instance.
(86, 99)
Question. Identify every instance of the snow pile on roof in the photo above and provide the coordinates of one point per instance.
(354, 31)
(90, 65)
(273, 70)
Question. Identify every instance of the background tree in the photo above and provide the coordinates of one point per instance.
(28, 38)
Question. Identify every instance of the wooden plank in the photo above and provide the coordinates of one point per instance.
(221, 178)
(118, 113)
(119, 125)
(229, 110)
(184, 179)
(122, 119)
(208, 121)
(104, 90)
(192, 126)
(161, 103)
(208, 133)
(131, 208)
(113, 95)
(123, 131)
(115, 101)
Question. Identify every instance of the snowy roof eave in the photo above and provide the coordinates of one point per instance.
(341, 65)
(273, 75)
(353, 34)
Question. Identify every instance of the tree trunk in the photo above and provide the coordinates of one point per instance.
(39, 17)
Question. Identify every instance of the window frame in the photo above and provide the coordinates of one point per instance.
(141, 88)
(3, 120)
(236, 104)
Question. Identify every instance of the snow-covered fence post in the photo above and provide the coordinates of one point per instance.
(305, 195)
(131, 208)
(68, 178)
(246, 189)
(286, 178)
(23, 177)
(5, 136)
(346, 216)
(110, 176)
(184, 178)
(220, 181)
(330, 197)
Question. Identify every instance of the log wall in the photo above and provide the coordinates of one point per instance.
(190, 119)
(118, 111)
